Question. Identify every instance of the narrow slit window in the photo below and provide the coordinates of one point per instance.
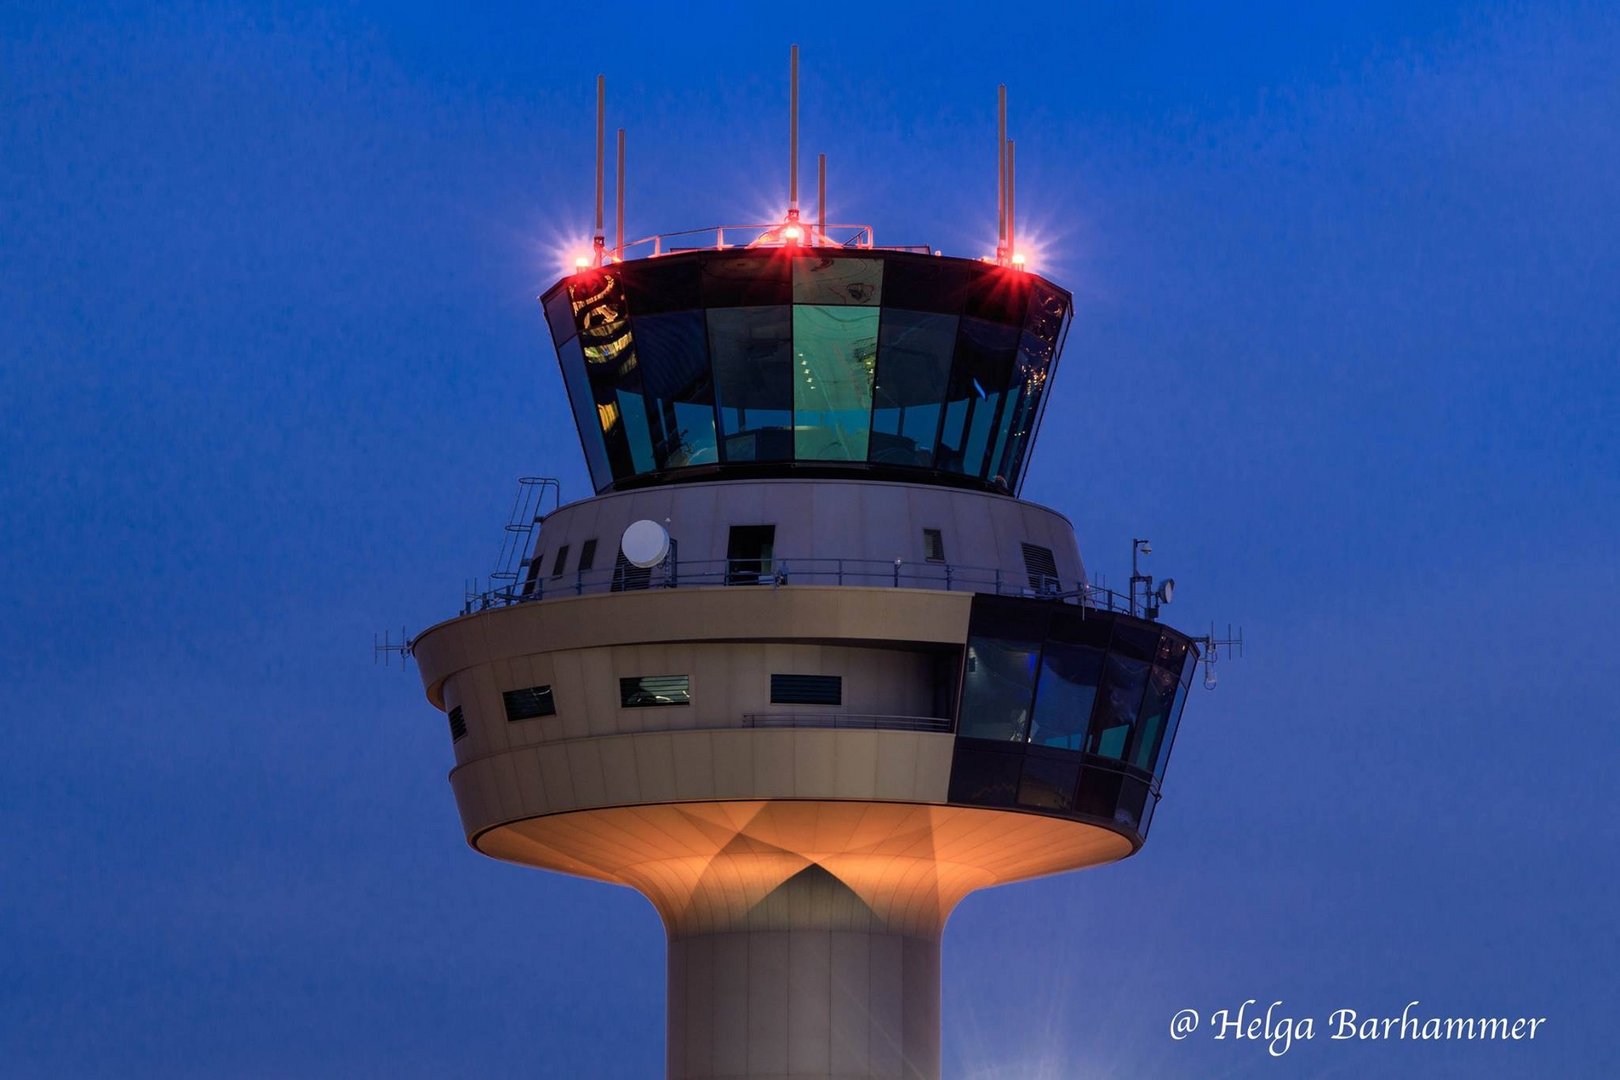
(807, 690)
(561, 564)
(587, 556)
(528, 703)
(933, 545)
(652, 691)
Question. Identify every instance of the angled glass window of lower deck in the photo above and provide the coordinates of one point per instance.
(1064, 699)
(1119, 702)
(998, 688)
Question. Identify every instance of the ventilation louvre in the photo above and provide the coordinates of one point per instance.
(458, 725)
(1041, 567)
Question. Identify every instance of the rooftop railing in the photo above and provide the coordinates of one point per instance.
(776, 234)
(775, 573)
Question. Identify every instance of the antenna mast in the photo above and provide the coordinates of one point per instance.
(821, 196)
(793, 136)
(618, 222)
(1001, 173)
(599, 240)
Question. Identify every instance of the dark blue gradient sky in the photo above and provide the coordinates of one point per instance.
(1348, 309)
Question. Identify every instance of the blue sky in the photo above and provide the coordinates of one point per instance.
(1348, 302)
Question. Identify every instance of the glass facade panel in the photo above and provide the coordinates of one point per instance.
(560, 314)
(747, 280)
(924, 283)
(998, 297)
(985, 777)
(824, 279)
(678, 390)
(1065, 695)
(653, 286)
(1119, 700)
(586, 419)
(753, 379)
(604, 338)
(915, 352)
(1162, 687)
(1048, 783)
(978, 385)
(998, 688)
(835, 352)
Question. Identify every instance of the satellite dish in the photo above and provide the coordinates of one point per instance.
(645, 544)
(1167, 589)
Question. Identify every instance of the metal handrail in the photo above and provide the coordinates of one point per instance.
(768, 235)
(775, 573)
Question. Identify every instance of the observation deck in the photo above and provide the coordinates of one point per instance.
(806, 360)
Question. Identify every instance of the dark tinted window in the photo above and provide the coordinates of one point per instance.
(984, 777)
(528, 703)
(832, 279)
(587, 555)
(671, 283)
(998, 688)
(1048, 783)
(925, 284)
(933, 545)
(561, 562)
(1070, 675)
(648, 691)
(747, 280)
(753, 376)
(915, 353)
(676, 388)
(807, 690)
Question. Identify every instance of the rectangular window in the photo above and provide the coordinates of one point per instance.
(458, 725)
(807, 690)
(561, 564)
(529, 703)
(749, 553)
(649, 691)
(1041, 567)
(587, 555)
(933, 545)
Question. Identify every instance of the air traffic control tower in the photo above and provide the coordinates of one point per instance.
(805, 670)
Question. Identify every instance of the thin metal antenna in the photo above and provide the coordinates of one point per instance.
(1012, 188)
(793, 137)
(599, 241)
(1001, 172)
(618, 215)
(821, 195)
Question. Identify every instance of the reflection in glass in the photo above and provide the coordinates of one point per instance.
(978, 385)
(984, 777)
(1162, 687)
(835, 350)
(1124, 681)
(915, 350)
(747, 280)
(585, 417)
(610, 355)
(1048, 784)
(1065, 695)
(997, 687)
(679, 394)
(827, 279)
(753, 380)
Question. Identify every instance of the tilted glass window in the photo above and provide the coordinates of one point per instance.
(823, 279)
(586, 418)
(834, 354)
(998, 688)
(1120, 699)
(915, 352)
(677, 389)
(978, 388)
(1048, 784)
(1070, 675)
(753, 379)
(560, 564)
